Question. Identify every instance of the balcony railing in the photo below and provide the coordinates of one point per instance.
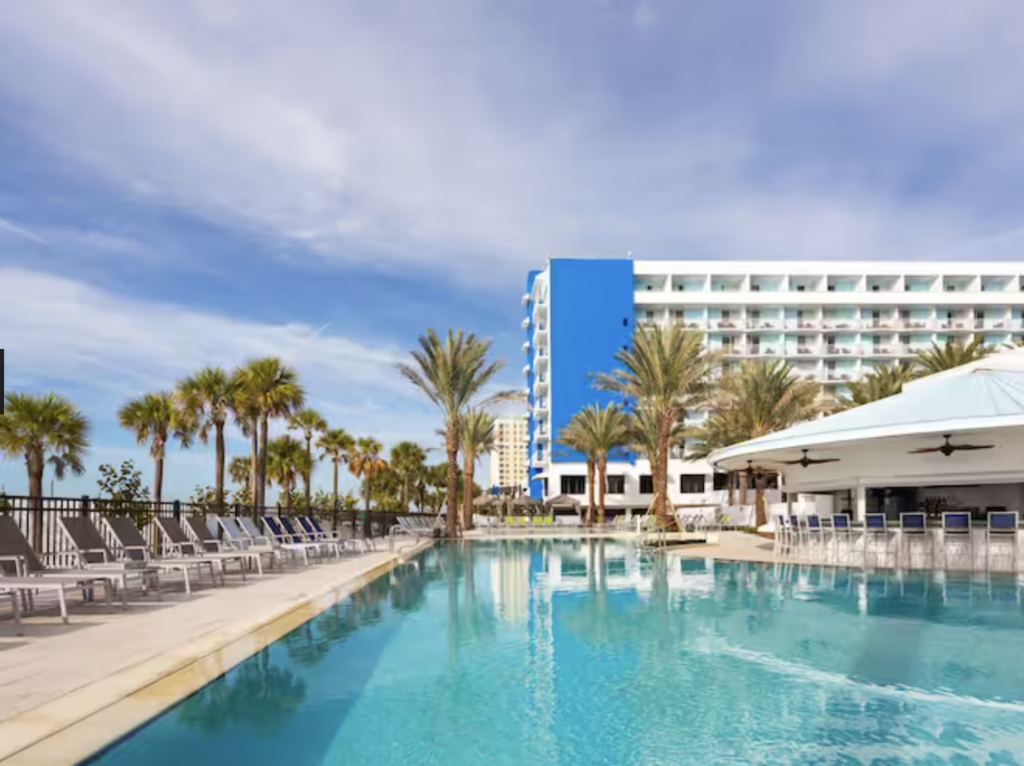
(763, 324)
(841, 324)
(726, 324)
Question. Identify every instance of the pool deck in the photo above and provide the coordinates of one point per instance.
(67, 691)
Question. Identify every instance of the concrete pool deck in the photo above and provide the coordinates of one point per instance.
(66, 692)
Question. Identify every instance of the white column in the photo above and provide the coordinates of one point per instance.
(861, 507)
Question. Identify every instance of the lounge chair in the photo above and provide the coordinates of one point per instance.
(258, 538)
(313, 527)
(204, 542)
(134, 548)
(23, 571)
(235, 540)
(91, 553)
(314, 534)
(299, 535)
(276, 532)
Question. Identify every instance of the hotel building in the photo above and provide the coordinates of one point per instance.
(832, 321)
(510, 456)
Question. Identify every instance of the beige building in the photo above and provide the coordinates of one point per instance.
(510, 458)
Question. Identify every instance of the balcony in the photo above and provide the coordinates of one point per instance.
(764, 324)
(840, 324)
(541, 404)
(526, 369)
(807, 324)
(805, 350)
(726, 324)
(526, 347)
(540, 383)
(882, 324)
(541, 328)
(991, 324)
(842, 350)
(835, 376)
(526, 323)
(735, 350)
(918, 324)
(696, 325)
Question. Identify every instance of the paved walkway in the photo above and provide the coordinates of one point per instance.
(57, 675)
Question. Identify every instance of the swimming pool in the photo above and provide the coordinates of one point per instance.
(579, 652)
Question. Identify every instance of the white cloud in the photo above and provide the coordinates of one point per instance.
(402, 133)
(12, 228)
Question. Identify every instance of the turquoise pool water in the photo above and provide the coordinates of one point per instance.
(559, 652)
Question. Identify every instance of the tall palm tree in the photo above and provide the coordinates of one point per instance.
(477, 438)
(240, 471)
(602, 429)
(881, 383)
(952, 354)
(286, 461)
(365, 462)
(156, 420)
(207, 397)
(453, 373)
(270, 388)
(576, 438)
(761, 398)
(407, 459)
(645, 438)
(310, 422)
(247, 418)
(665, 374)
(336, 445)
(43, 430)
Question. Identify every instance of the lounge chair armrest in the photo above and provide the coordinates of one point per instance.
(20, 564)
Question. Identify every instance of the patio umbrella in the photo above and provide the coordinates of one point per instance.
(526, 504)
(563, 501)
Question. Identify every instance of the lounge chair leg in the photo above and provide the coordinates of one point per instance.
(124, 592)
(188, 586)
(19, 629)
(62, 599)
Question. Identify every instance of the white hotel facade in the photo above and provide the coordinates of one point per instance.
(832, 321)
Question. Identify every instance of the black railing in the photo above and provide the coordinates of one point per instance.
(39, 519)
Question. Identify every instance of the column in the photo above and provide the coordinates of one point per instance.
(861, 504)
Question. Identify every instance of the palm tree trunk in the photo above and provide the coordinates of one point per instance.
(334, 516)
(590, 493)
(35, 493)
(366, 519)
(220, 467)
(158, 482)
(760, 483)
(467, 499)
(452, 448)
(744, 482)
(307, 475)
(661, 472)
(254, 462)
(730, 481)
(602, 471)
(261, 488)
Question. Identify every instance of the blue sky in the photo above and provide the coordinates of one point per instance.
(185, 182)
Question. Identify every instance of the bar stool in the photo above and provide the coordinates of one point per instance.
(956, 527)
(912, 527)
(797, 529)
(841, 530)
(782, 541)
(815, 536)
(875, 527)
(1002, 527)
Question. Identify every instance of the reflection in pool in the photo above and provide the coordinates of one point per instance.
(569, 652)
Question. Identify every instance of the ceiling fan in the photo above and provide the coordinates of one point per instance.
(806, 461)
(948, 449)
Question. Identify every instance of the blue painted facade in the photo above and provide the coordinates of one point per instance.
(591, 319)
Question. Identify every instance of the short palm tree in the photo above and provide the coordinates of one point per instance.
(645, 438)
(157, 420)
(407, 459)
(247, 418)
(666, 373)
(365, 462)
(43, 430)
(881, 383)
(240, 471)
(477, 438)
(270, 388)
(598, 430)
(761, 398)
(310, 422)
(207, 397)
(952, 354)
(578, 440)
(453, 373)
(286, 461)
(336, 445)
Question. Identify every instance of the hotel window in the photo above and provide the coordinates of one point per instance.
(574, 485)
(616, 485)
(691, 483)
(720, 481)
(647, 484)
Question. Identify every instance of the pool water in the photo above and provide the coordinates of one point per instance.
(581, 652)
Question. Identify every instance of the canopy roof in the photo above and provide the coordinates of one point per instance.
(984, 395)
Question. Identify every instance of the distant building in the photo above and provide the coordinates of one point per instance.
(511, 454)
(831, 321)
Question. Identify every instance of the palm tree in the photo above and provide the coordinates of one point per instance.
(240, 471)
(271, 389)
(577, 439)
(477, 438)
(155, 419)
(365, 462)
(207, 397)
(602, 430)
(952, 354)
(310, 422)
(881, 383)
(758, 399)
(453, 373)
(336, 445)
(286, 461)
(407, 459)
(43, 430)
(644, 437)
(665, 374)
(247, 418)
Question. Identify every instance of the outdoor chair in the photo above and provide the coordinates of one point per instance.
(316, 533)
(196, 540)
(841, 531)
(236, 540)
(134, 548)
(277, 537)
(298, 534)
(1002, 529)
(814, 534)
(956, 529)
(23, 571)
(356, 542)
(91, 553)
(783, 540)
(876, 527)
(913, 527)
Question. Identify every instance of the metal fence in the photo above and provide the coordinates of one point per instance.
(39, 519)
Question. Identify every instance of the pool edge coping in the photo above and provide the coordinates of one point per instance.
(84, 721)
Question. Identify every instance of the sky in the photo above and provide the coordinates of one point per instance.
(193, 182)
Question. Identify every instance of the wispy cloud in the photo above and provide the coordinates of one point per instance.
(394, 134)
(20, 231)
